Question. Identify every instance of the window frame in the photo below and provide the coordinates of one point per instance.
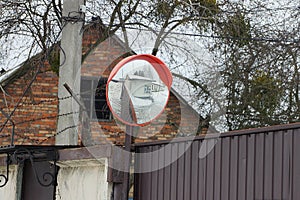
(94, 81)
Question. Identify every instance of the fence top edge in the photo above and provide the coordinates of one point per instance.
(249, 132)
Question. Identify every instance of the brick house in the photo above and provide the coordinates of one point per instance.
(34, 115)
(29, 105)
(34, 119)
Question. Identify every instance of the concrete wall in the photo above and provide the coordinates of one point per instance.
(9, 191)
(83, 180)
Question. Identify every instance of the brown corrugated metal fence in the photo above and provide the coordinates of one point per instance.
(251, 164)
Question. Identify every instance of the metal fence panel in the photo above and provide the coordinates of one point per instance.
(258, 164)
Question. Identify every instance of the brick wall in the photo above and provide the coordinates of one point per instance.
(178, 119)
(36, 116)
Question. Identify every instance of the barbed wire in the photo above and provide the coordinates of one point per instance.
(57, 133)
(72, 19)
(40, 118)
(4, 136)
(22, 103)
(39, 141)
(54, 99)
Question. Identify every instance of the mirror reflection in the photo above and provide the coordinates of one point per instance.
(136, 93)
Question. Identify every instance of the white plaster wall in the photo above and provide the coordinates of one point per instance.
(83, 180)
(9, 191)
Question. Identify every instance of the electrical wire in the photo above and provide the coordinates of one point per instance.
(66, 20)
(266, 9)
(75, 19)
(22, 96)
(275, 40)
(257, 39)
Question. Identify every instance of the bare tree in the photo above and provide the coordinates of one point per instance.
(251, 48)
(256, 49)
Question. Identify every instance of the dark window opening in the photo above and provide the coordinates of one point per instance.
(93, 94)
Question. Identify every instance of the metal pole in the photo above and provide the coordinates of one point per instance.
(128, 142)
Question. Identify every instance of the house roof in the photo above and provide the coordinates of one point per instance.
(6, 76)
(89, 46)
(22, 68)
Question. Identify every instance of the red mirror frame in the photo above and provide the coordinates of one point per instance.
(160, 67)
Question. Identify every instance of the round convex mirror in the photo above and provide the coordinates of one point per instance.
(138, 88)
